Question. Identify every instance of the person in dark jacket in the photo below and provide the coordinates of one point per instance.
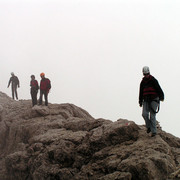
(150, 95)
(45, 86)
(34, 90)
(14, 81)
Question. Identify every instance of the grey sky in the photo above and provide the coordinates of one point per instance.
(93, 53)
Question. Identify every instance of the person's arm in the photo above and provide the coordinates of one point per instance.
(140, 94)
(37, 86)
(9, 82)
(18, 83)
(159, 90)
(49, 84)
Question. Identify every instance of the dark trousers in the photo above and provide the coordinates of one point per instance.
(42, 92)
(14, 91)
(34, 96)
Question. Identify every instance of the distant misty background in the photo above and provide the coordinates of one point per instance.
(93, 52)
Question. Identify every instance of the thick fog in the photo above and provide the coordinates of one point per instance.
(93, 52)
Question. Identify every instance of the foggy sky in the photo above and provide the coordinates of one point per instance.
(93, 53)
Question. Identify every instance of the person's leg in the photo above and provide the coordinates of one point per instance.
(15, 90)
(145, 114)
(35, 97)
(12, 88)
(154, 106)
(40, 98)
(32, 98)
(46, 98)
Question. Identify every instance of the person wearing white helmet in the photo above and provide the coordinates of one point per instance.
(150, 95)
(146, 70)
(14, 81)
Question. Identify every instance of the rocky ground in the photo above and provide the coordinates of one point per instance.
(64, 142)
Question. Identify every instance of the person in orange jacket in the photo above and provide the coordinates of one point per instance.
(45, 86)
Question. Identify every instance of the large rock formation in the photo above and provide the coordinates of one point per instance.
(64, 142)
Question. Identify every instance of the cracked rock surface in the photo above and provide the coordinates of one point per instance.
(64, 142)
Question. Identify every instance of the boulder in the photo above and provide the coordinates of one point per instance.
(41, 110)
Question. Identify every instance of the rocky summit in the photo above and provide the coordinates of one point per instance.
(64, 142)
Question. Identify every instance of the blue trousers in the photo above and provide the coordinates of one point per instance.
(149, 114)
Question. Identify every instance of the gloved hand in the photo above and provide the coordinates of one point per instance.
(140, 104)
(162, 99)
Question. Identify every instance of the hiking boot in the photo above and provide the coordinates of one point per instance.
(148, 130)
(153, 134)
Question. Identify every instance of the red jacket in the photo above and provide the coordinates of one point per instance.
(45, 84)
(34, 85)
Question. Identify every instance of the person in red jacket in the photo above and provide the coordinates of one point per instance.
(45, 86)
(34, 90)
